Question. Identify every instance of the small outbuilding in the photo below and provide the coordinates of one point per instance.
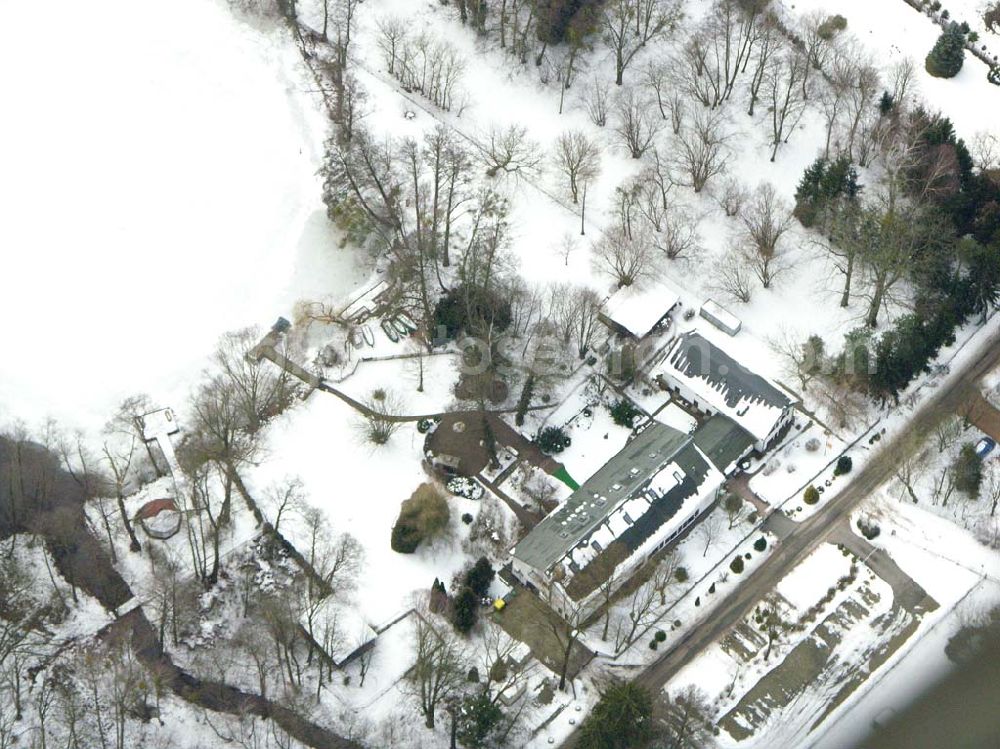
(720, 317)
(637, 311)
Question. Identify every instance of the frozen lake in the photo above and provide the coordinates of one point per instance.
(156, 189)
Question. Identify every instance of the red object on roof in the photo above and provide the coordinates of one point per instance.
(154, 508)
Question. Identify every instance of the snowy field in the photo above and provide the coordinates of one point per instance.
(158, 189)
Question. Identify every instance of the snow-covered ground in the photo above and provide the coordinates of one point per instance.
(962, 575)
(892, 29)
(159, 188)
(360, 488)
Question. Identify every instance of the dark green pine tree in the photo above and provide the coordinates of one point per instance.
(808, 194)
(948, 54)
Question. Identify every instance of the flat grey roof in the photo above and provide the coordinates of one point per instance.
(599, 495)
(722, 440)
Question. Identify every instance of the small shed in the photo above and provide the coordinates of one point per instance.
(636, 312)
(720, 317)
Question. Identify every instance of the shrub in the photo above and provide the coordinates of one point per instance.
(811, 495)
(946, 58)
(553, 440)
(868, 529)
(471, 309)
(844, 465)
(652, 644)
(681, 574)
(467, 518)
(736, 565)
(660, 635)
(832, 26)
(479, 577)
(760, 544)
(623, 412)
(527, 390)
(967, 469)
(465, 610)
(711, 588)
(462, 486)
(422, 517)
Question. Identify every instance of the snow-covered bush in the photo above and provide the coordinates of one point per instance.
(553, 440)
(868, 529)
(462, 486)
(623, 412)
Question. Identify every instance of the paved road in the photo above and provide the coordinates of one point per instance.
(800, 541)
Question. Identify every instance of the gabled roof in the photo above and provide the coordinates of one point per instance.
(725, 385)
(650, 513)
(603, 493)
(639, 309)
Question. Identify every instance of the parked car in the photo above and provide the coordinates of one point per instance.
(985, 446)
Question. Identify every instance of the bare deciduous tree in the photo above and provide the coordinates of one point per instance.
(732, 275)
(784, 85)
(732, 195)
(626, 260)
(658, 78)
(700, 149)
(380, 416)
(708, 530)
(510, 151)
(438, 671)
(634, 125)
(391, 37)
(629, 25)
(597, 100)
(578, 158)
(765, 218)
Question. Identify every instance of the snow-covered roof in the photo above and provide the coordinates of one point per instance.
(720, 317)
(639, 309)
(160, 423)
(724, 385)
(592, 504)
(644, 519)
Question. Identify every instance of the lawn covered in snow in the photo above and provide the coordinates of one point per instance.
(159, 188)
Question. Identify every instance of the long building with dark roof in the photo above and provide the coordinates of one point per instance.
(633, 506)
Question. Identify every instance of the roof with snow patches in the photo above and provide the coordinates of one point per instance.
(724, 385)
(590, 506)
